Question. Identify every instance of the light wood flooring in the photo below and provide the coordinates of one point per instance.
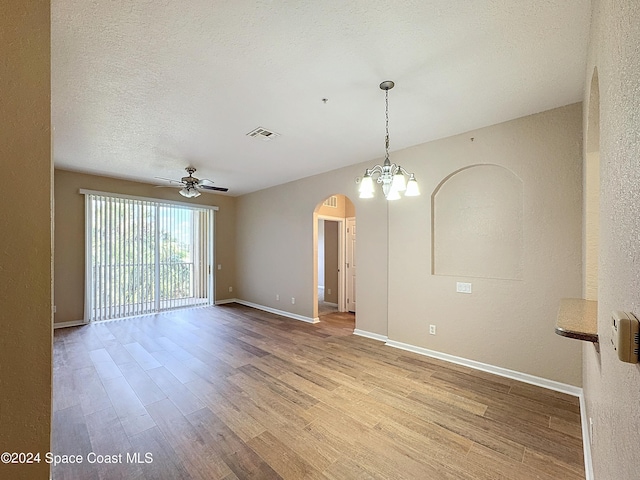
(230, 392)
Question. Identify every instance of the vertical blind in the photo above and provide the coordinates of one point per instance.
(145, 256)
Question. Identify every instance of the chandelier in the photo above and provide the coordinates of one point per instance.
(390, 175)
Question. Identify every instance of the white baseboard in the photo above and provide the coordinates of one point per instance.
(282, 313)
(228, 300)
(374, 336)
(332, 304)
(586, 440)
(72, 323)
(485, 367)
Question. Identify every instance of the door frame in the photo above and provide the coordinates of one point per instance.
(346, 284)
(342, 279)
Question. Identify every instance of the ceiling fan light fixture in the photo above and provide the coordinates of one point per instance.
(192, 187)
(189, 192)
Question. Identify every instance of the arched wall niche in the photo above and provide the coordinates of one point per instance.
(477, 223)
(591, 194)
(593, 120)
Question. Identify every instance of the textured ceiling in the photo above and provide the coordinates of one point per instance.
(143, 88)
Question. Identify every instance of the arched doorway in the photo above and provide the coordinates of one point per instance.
(334, 256)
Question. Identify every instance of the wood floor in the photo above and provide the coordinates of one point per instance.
(230, 392)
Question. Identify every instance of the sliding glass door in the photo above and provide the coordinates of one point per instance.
(145, 256)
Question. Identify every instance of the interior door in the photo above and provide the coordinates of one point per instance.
(351, 264)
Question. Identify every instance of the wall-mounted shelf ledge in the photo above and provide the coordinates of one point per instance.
(578, 318)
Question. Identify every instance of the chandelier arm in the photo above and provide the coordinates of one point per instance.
(401, 169)
(376, 169)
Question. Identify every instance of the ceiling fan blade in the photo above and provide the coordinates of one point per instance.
(217, 189)
(168, 186)
(169, 180)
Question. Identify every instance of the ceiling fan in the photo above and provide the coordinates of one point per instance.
(192, 186)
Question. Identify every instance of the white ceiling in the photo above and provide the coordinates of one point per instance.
(143, 88)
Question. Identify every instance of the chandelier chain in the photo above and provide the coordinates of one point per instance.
(386, 112)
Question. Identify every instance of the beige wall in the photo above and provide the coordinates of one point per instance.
(275, 246)
(504, 322)
(507, 323)
(612, 388)
(591, 224)
(349, 208)
(25, 235)
(69, 235)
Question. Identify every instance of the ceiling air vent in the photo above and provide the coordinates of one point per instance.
(263, 134)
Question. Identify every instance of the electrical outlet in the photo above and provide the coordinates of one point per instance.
(219, 267)
(463, 287)
(230, 289)
(277, 297)
(293, 301)
(432, 329)
(328, 291)
(54, 309)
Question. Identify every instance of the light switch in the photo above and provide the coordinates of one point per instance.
(463, 287)
(625, 336)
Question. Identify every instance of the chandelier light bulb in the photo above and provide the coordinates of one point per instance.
(393, 194)
(366, 186)
(399, 182)
(412, 187)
